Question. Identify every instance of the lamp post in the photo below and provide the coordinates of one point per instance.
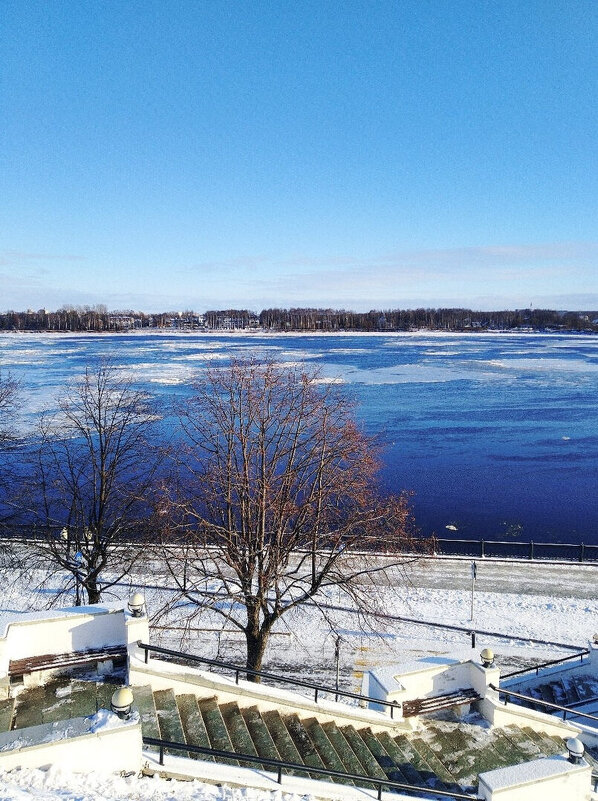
(474, 575)
(78, 560)
(337, 655)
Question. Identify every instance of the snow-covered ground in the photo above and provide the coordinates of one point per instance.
(59, 785)
(523, 601)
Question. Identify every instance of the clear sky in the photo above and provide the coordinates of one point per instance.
(211, 154)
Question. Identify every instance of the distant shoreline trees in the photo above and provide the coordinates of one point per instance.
(99, 320)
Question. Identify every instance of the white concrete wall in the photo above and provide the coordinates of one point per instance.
(111, 749)
(62, 631)
(552, 779)
(432, 681)
(404, 683)
(500, 714)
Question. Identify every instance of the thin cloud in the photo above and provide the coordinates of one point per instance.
(16, 258)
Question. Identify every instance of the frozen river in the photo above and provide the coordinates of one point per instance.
(496, 434)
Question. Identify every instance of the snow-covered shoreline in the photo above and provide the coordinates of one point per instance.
(258, 332)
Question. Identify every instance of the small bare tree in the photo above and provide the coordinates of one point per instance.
(276, 492)
(9, 392)
(9, 397)
(92, 471)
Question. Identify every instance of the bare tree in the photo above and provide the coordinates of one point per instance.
(276, 492)
(9, 397)
(92, 471)
(9, 392)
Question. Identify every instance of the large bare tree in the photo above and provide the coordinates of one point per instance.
(276, 493)
(92, 471)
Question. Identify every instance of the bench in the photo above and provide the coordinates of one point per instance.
(420, 706)
(20, 667)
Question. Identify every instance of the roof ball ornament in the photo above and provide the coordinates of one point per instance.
(121, 702)
(575, 749)
(136, 604)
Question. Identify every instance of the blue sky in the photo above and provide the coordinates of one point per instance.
(207, 154)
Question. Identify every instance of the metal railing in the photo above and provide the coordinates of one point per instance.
(538, 702)
(238, 670)
(280, 766)
(586, 553)
(517, 549)
(537, 668)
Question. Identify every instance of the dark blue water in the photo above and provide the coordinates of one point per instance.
(496, 435)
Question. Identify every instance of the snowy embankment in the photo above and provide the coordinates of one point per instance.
(520, 601)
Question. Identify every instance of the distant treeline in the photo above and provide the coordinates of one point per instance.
(98, 318)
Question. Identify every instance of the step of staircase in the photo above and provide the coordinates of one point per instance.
(524, 744)
(285, 744)
(382, 755)
(104, 693)
(29, 706)
(565, 691)
(143, 702)
(434, 761)
(7, 709)
(216, 728)
(193, 725)
(419, 762)
(169, 720)
(325, 748)
(586, 687)
(368, 761)
(260, 734)
(303, 742)
(570, 686)
(404, 770)
(239, 733)
(345, 753)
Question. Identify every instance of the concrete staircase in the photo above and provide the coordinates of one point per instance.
(441, 754)
(570, 691)
(445, 755)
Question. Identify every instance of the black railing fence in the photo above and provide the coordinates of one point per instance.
(280, 766)
(239, 671)
(512, 549)
(529, 700)
(441, 546)
(550, 663)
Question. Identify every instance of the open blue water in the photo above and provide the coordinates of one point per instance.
(495, 434)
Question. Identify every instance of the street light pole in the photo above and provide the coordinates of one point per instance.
(337, 654)
(474, 575)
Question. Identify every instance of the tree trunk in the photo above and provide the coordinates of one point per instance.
(256, 646)
(93, 592)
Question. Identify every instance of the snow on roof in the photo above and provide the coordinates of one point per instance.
(12, 616)
(528, 772)
(61, 730)
(388, 677)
